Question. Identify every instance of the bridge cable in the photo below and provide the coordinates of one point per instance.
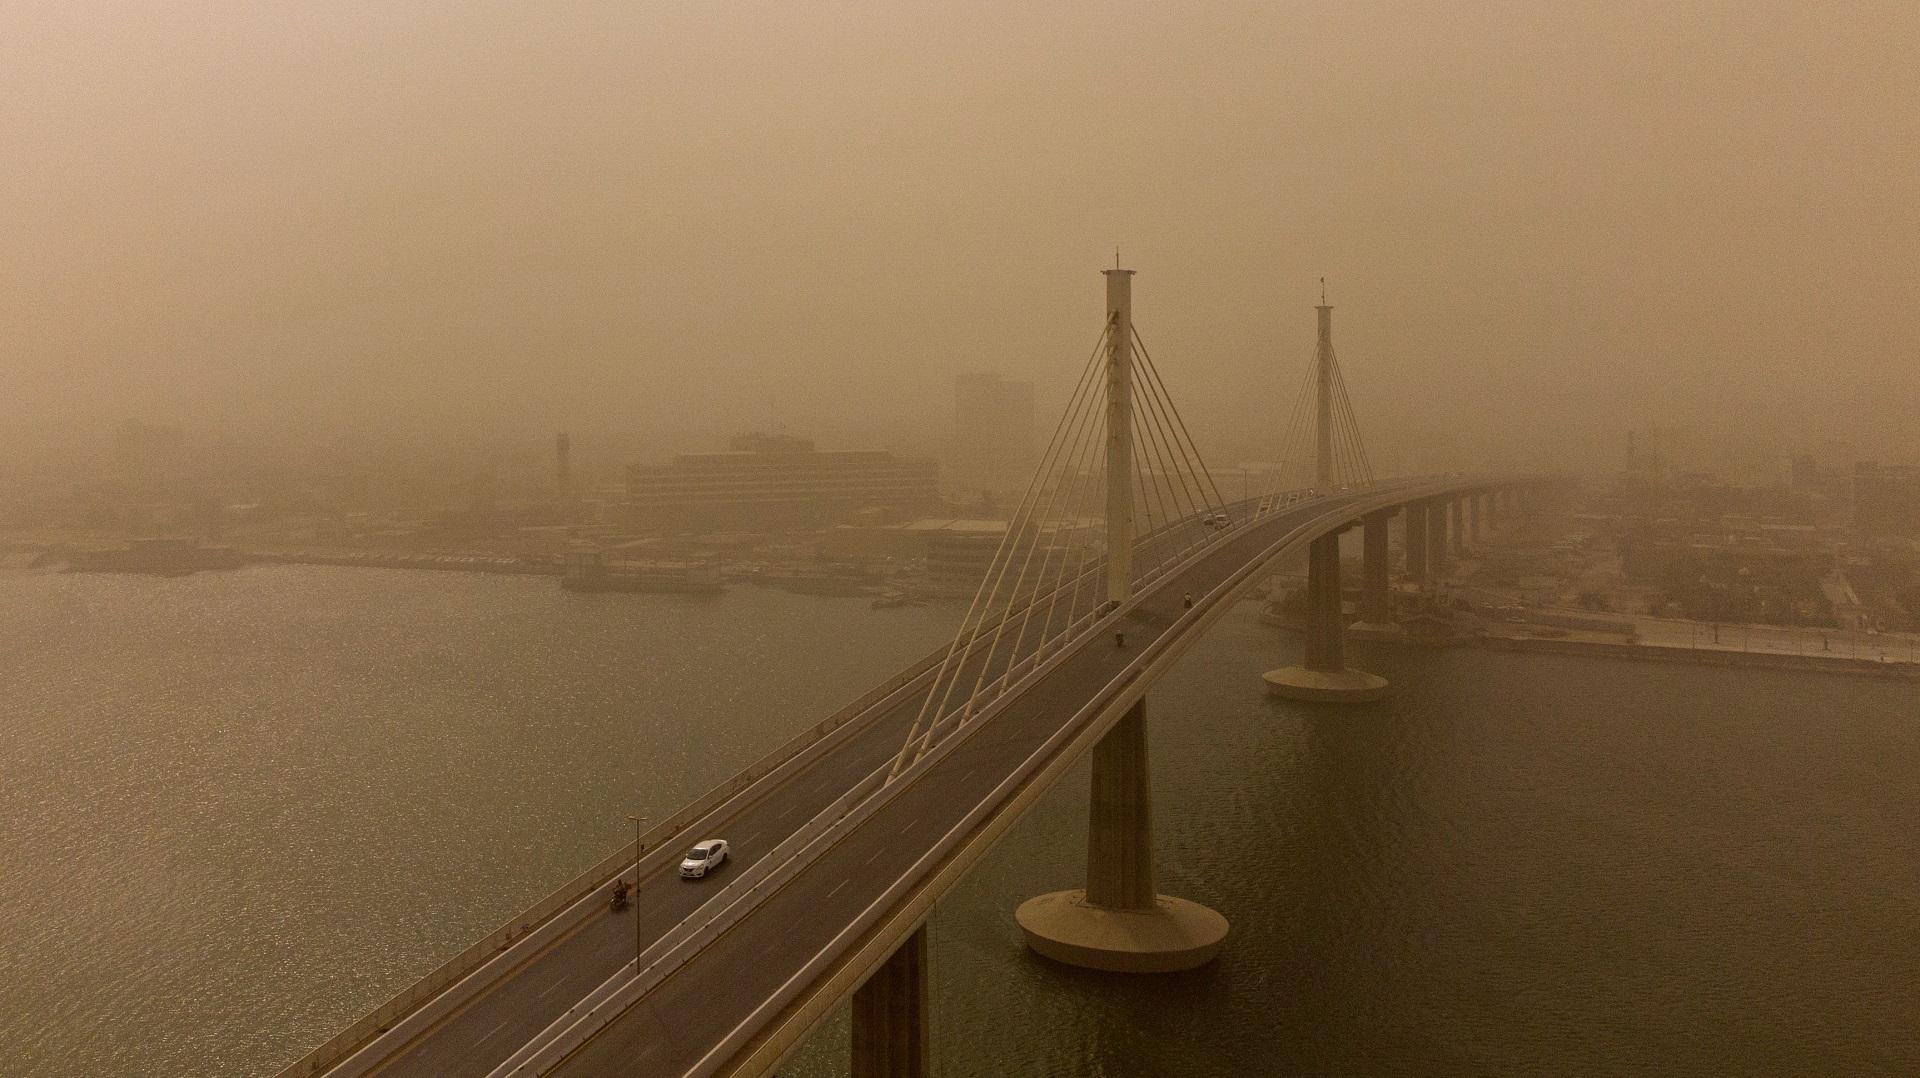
(1199, 463)
(1087, 377)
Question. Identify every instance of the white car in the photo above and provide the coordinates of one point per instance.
(706, 855)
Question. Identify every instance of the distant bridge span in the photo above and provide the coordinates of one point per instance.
(834, 867)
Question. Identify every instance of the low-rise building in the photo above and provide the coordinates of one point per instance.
(775, 482)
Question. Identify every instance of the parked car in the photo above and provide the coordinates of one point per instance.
(706, 855)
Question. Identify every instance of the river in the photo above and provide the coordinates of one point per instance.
(239, 809)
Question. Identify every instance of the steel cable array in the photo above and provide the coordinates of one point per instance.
(1299, 451)
(1047, 581)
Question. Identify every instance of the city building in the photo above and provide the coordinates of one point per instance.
(993, 434)
(775, 482)
(959, 555)
(1886, 500)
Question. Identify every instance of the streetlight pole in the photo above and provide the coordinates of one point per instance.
(637, 822)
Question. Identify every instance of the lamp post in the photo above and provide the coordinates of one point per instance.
(637, 822)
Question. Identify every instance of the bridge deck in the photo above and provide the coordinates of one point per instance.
(678, 1026)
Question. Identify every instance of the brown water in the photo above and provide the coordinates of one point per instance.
(237, 810)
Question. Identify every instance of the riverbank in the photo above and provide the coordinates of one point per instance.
(460, 563)
(1759, 647)
(1631, 651)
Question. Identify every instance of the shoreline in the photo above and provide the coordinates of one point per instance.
(1631, 652)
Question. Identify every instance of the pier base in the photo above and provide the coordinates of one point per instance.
(1324, 676)
(1325, 686)
(1119, 922)
(1174, 935)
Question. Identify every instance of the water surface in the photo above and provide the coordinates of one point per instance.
(238, 810)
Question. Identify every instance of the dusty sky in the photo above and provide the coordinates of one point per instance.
(653, 223)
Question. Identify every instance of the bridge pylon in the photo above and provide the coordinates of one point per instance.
(1321, 448)
(1340, 461)
(1120, 922)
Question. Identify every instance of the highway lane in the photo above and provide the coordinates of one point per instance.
(668, 1031)
(489, 1029)
(523, 1003)
(478, 1037)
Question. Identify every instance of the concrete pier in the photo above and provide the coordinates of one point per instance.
(1376, 593)
(1118, 922)
(1437, 552)
(1324, 677)
(890, 1015)
(1414, 520)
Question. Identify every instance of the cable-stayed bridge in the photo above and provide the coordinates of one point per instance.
(1120, 555)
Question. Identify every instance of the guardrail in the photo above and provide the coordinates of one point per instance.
(907, 900)
(531, 921)
(668, 954)
(607, 1003)
(617, 994)
(450, 973)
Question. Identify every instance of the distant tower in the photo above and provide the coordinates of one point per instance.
(562, 451)
(992, 432)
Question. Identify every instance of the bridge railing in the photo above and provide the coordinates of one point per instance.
(1244, 513)
(456, 969)
(464, 964)
(619, 991)
(945, 858)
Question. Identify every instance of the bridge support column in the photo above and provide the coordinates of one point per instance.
(1416, 542)
(1119, 923)
(1436, 541)
(1376, 592)
(1324, 676)
(890, 1015)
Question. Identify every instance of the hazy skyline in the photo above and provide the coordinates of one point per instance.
(1541, 225)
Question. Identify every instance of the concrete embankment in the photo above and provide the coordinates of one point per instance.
(1704, 656)
(459, 563)
(1895, 663)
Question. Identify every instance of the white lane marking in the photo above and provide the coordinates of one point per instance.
(490, 1033)
(910, 824)
(876, 855)
(836, 888)
(750, 838)
(564, 978)
(784, 813)
(969, 774)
